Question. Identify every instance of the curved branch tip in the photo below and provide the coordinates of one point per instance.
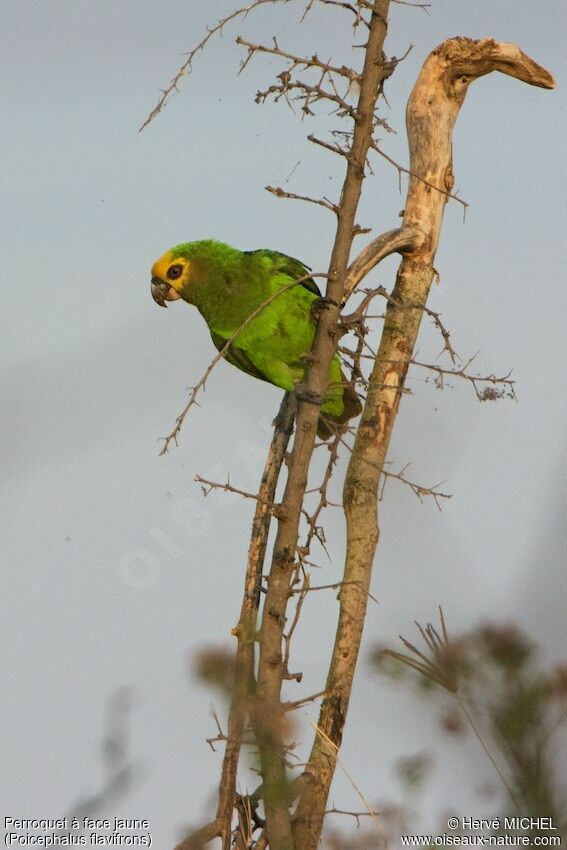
(465, 56)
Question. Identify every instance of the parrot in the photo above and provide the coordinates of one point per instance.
(227, 286)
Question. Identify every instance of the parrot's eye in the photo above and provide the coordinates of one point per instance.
(175, 271)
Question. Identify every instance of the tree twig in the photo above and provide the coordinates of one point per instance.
(401, 170)
(489, 393)
(341, 4)
(298, 61)
(227, 487)
(186, 67)
(281, 193)
(418, 489)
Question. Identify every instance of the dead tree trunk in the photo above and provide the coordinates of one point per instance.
(431, 114)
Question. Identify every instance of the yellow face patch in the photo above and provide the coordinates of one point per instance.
(174, 271)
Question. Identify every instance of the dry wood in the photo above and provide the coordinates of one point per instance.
(431, 113)
(268, 713)
(245, 632)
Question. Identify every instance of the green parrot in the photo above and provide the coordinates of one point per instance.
(227, 286)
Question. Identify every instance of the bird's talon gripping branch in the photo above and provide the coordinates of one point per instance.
(319, 305)
(305, 394)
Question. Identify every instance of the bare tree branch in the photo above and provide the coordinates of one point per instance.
(341, 5)
(267, 710)
(228, 488)
(487, 393)
(197, 840)
(298, 61)
(281, 193)
(424, 6)
(401, 240)
(245, 631)
(310, 94)
(186, 67)
(419, 490)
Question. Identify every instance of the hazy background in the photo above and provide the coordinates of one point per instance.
(116, 569)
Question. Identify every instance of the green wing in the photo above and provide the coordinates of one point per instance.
(237, 357)
(291, 267)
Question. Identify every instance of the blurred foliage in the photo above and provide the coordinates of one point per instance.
(491, 681)
(214, 667)
(494, 682)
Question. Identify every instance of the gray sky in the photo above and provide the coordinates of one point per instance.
(116, 568)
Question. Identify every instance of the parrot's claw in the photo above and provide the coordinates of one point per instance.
(319, 305)
(304, 394)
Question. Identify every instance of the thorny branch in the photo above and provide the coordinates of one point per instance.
(356, 10)
(424, 6)
(299, 703)
(355, 319)
(309, 94)
(220, 736)
(401, 170)
(313, 518)
(245, 633)
(489, 393)
(418, 489)
(366, 4)
(289, 634)
(444, 333)
(329, 146)
(297, 61)
(336, 586)
(186, 67)
(312, 93)
(355, 815)
(291, 196)
(268, 711)
(228, 488)
(504, 383)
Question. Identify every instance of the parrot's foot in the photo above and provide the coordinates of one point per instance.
(304, 394)
(319, 305)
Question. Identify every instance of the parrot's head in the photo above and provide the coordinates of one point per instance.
(170, 275)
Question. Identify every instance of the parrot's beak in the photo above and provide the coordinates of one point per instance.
(162, 292)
